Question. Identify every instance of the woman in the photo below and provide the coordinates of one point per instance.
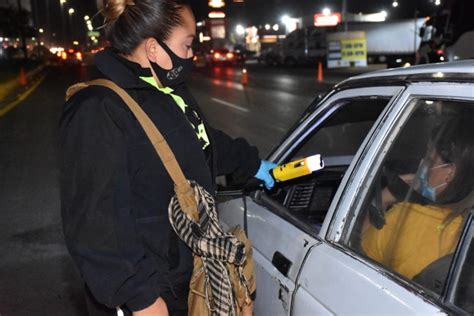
(114, 189)
(417, 234)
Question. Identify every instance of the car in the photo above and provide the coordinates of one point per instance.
(224, 57)
(72, 57)
(331, 243)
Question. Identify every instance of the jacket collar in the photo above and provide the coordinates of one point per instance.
(120, 70)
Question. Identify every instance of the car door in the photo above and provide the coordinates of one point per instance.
(280, 224)
(341, 275)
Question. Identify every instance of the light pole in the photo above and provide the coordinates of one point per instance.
(63, 21)
(71, 12)
(22, 30)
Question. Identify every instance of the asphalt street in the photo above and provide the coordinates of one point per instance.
(36, 275)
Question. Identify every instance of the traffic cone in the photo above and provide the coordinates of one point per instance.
(245, 77)
(22, 80)
(320, 72)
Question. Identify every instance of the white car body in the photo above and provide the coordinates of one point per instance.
(300, 272)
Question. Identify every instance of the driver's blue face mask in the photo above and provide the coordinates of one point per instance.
(426, 189)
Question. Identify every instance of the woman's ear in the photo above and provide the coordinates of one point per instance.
(451, 174)
(151, 48)
(157, 54)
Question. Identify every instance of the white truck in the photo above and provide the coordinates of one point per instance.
(302, 46)
(394, 43)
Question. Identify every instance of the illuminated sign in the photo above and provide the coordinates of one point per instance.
(332, 19)
(216, 4)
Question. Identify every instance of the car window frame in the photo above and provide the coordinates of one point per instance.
(466, 241)
(383, 139)
(322, 112)
(354, 194)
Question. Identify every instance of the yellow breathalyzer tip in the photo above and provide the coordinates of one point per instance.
(298, 168)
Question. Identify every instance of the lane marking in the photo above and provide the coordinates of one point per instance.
(21, 98)
(227, 84)
(231, 105)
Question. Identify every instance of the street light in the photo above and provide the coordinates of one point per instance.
(268, 27)
(86, 18)
(62, 2)
(285, 19)
(71, 11)
(240, 30)
(41, 30)
(395, 4)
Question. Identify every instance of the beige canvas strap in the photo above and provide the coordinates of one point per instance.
(182, 188)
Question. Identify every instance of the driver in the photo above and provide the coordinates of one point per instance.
(416, 234)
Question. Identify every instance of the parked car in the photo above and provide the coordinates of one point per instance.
(332, 243)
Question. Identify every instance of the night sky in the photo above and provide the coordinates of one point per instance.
(255, 11)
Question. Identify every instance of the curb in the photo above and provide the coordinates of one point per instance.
(14, 93)
(10, 106)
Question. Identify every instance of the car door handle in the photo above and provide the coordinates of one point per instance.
(281, 263)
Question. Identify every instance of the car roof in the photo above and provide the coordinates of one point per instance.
(461, 71)
(457, 71)
(460, 67)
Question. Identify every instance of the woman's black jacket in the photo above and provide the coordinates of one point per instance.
(115, 191)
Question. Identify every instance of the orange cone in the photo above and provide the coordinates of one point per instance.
(22, 80)
(245, 77)
(320, 72)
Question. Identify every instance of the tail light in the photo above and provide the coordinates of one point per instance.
(63, 55)
(217, 55)
(79, 56)
(440, 52)
(230, 55)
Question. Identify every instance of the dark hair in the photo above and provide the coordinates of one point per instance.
(457, 147)
(129, 22)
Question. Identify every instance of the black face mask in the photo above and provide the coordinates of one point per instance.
(178, 74)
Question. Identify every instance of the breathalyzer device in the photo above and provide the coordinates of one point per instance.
(298, 168)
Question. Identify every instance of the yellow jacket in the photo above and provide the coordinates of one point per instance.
(413, 237)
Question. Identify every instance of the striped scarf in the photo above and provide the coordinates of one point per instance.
(215, 247)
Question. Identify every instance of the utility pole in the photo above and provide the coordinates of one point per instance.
(344, 14)
(22, 30)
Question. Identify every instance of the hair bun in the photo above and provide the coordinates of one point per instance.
(113, 9)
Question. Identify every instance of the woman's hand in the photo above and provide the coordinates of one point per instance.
(158, 308)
